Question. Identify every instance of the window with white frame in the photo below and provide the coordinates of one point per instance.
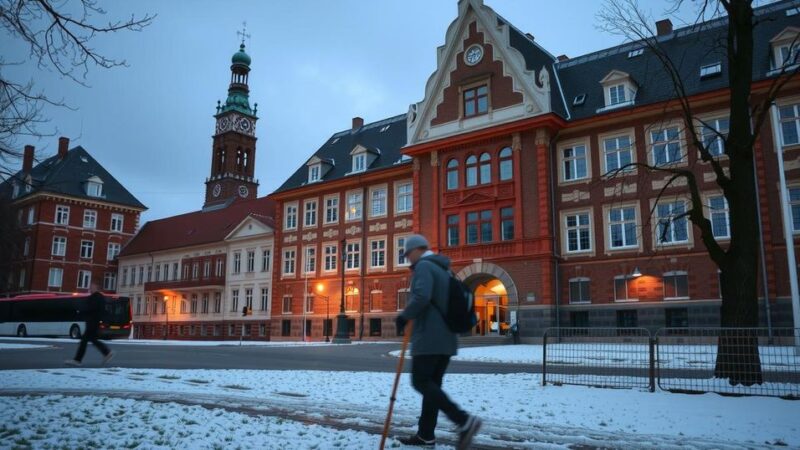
(578, 229)
(618, 153)
(579, 290)
(790, 124)
(116, 222)
(218, 302)
(622, 227)
(124, 276)
(404, 201)
(31, 215)
(616, 94)
(331, 257)
(55, 276)
(290, 213)
(264, 299)
(309, 303)
(310, 211)
(59, 246)
(332, 209)
(314, 173)
(204, 307)
(377, 254)
(359, 162)
(14, 189)
(286, 307)
(672, 226)
(676, 285)
(713, 133)
(206, 269)
(624, 289)
(718, 214)
(310, 260)
(574, 162)
(235, 300)
(788, 54)
(94, 189)
(710, 70)
(219, 269)
(289, 261)
(402, 299)
(399, 249)
(109, 281)
(248, 297)
(113, 251)
(251, 261)
(89, 218)
(266, 260)
(62, 215)
(353, 256)
(237, 262)
(84, 279)
(87, 249)
(666, 146)
(378, 202)
(354, 205)
(794, 204)
(141, 274)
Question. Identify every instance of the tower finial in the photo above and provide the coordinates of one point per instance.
(243, 34)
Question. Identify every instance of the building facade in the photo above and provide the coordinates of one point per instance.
(74, 218)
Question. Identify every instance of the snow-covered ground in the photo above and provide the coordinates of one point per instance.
(188, 343)
(10, 346)
(516, 407)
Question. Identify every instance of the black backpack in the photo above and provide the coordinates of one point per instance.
(460, 316)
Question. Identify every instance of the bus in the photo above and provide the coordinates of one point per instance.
(62, 315)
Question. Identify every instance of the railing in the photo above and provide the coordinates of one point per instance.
(734, 361)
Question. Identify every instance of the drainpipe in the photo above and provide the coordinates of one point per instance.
(556, 229)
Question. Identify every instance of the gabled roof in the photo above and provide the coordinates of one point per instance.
(68, 176)
(384, 139)
(198, 227)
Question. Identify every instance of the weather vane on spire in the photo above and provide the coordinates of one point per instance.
(243, 34)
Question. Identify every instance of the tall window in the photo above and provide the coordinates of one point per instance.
(378, 254)
(676, 285)
(452, 231)
(266, 257)
(622, 227)
(479, 227)
(574, 162)
(206, 269)
(89, 219)
(486, 226)
(579, 290)
(331, 257)
(26, 247)
(378, 202)
(87, 249)
(62, 215)
(623, 288)
(84, 279)
(402, 299)
(124, 276)
(578, 232)
(616, 94)
(617, 153)
(113, 251)
(310, 260)
(251, 261)
(794, 204)
(353, 256)
(204, 307)
(472, 171)
(313, 173)
(116, 222)
(399, 248)
(264, 299)
(288, 262)
(59, 246)
(718, 210)
(55, 276)
(193, 309)
(237, 262)
(286, 305)
(472, 227)
(218, 302)
(666, 146)
(506, 164)
(404, 201)
(507, 224)
(219, 269)
(714, 132)
(360, 162)
(290, 222)
(235, 300)
(248, 297)
(790, 124)
(486, 168)
(354, 205)
(476, 101)
(310, 208)
(671, 227)
(332, 209)
(452, 174)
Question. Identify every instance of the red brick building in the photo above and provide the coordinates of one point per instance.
(75, 218)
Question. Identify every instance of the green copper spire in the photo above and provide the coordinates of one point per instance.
(238, 91)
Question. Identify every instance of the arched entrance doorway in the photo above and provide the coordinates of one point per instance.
(496, 298)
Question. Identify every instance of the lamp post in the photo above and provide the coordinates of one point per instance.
(320, 288)
(166, 311)
(342, 336)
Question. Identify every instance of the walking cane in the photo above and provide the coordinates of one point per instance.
(406, 336)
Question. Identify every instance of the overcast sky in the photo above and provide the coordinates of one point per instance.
(316, 64)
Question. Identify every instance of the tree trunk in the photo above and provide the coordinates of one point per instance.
(738, 358)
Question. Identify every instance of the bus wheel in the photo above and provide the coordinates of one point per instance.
(75, 332)
(22, 331)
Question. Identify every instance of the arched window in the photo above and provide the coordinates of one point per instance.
(486, 168)
(239, 159)
(472, 171)
(245, 159)
(452, 174)
(220, 160)
(506, 164)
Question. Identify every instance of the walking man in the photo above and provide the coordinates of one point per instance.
(432, 344)
(94, 314)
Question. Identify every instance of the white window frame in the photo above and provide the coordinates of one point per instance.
(110, 281)
(618, 91)
(383, 201)
(711, 212)
(379, 252)
(117, 222)
(266, 259)
(579, 280)
(398, 250)
(310, 259)
(332, 210)
(265, 299)
(289, 261)
(331, 259)
(794, 119)
(84, 279)
(87, 249)
(709, 131)
(618, 150)
(627, 298)
(675, 273)
(31, 215)
(353, 264)
(59, 246)
(113, 251)
(62, 215)
(290, 211)
(94, 189)
(563, 159)
(358, 206)
(663, 132)
(89, 218)
(55, 277)
(286, 304)
(251, 261)
(579, 229)
(623, 223)
(401, 198)
(671, 204)
(793, 204)
(310, 209)
(314, 173)
(359, 162)
(237, 262)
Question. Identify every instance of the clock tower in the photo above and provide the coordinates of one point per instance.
(233, 154)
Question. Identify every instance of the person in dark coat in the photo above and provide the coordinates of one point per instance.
(96, 306)
(432, 344)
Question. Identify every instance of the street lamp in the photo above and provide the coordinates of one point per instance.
(320, 289)
(342, 336)
(636, 272)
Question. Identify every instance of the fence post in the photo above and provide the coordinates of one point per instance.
(652, 364)
(544, 358)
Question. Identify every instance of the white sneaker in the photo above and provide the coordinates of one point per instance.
(73, 363)
(108, 357)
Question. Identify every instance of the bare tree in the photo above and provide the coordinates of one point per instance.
(59, 36)
(738, 359)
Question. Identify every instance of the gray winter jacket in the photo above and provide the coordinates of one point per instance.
(430, 283)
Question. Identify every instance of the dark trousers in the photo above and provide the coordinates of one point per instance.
(85, 339)
(427, 372)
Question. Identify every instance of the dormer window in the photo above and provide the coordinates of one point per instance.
(786, 48)
(619, 90)
(314, 173)
(94, 187)
(360, 162)
(14, 190)
(710, 70)
(616, 94)
(788, 54)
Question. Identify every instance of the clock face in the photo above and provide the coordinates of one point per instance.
(243, 125)
(223, 124)
(473, 55)
(243, 191)
(217, 190)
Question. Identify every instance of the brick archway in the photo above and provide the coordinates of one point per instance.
(481, 271)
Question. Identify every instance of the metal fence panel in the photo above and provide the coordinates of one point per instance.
(739, 361)
(600, 357)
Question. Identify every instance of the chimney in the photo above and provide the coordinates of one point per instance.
(664, 27)
(63, 147)
(358, 122)
(562, 58)
(27, 159)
